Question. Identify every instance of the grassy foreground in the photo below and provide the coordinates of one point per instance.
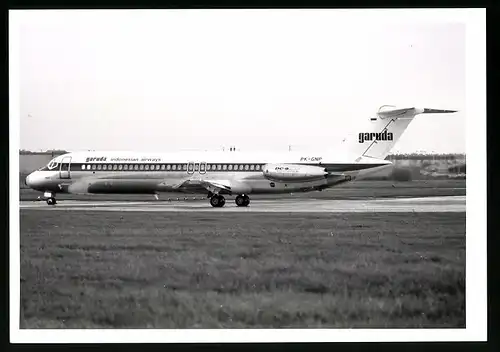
(199, 270)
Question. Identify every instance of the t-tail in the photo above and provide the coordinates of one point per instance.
(385, 129)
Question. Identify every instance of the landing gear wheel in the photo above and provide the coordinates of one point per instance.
(51, 201)
(242, 201)
(217, 201)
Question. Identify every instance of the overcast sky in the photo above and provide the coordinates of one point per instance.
(185, 79)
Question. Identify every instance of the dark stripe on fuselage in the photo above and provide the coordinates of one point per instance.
(167, 167)
(163, 167)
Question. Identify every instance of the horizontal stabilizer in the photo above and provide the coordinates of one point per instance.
(388, 111)
(438, 111)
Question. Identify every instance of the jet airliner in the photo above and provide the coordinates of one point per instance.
(221, 173)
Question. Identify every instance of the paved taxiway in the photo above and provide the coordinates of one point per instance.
(425, 204)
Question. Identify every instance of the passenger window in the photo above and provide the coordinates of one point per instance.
(115, 167)
(196, 167)
(88, 167)
(147, 167)
(208, 167)
(136, 167)
(241, 167)
(120, 167)
(252, 167)
(174, 167)
(141, 167)
(93, 167)
(104, 167)
(125, 167)
(83, 167)
(202, 167)
(99, 167)
(230, 167)
(246, 167)
(158, 167)
(184, 167)
(224, 167)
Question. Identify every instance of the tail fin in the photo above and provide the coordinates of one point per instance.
(385, 129)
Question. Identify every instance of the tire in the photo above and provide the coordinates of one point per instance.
(214, 201)
(240, 201)
(222, 201)
(217, 201)
(247, 201)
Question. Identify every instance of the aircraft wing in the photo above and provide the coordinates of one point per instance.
(214, 186)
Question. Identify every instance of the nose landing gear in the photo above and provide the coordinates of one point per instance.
(49, 198)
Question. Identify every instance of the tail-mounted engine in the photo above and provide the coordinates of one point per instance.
(293, 172)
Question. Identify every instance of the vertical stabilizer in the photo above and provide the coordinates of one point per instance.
(385, 129)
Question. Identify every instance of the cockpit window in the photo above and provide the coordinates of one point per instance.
(52, 164)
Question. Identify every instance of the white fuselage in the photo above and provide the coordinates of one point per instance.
(197, 172)
(228, 172)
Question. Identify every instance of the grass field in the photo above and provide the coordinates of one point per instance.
(350, 190)
(199, 270)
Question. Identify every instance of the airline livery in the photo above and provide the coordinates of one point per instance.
(222, 173)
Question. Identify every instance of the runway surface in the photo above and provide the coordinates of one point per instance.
(425, 204)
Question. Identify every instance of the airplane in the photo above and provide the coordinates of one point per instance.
(227, 173)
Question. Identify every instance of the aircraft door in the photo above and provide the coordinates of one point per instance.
(190, 169)
(65, 168)
(203, 167)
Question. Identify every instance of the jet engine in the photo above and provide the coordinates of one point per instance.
(293, 172)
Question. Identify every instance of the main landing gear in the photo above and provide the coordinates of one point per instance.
(51, 201)
(242, 200)
(217, 201)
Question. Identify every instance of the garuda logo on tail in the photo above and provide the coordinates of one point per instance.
(382, 136)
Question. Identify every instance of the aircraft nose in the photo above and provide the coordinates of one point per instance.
(32, 180)
(27, 180)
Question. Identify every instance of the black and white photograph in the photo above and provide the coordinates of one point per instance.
(277, 174)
